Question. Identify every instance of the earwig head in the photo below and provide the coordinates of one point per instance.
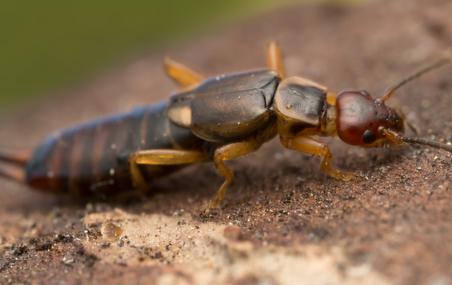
(359, 119)
(363, 120)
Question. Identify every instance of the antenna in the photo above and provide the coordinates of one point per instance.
(421, 141)
(446, 58)
(398, 138)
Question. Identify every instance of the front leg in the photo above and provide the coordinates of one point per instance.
(229, 152)
(309, 145)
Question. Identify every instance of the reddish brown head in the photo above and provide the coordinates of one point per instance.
(363, 120)
(359, 119)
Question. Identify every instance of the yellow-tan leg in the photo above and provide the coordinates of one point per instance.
(275, 63)
(181, 74)
(309, 145)
(331, 98)
(275, 59)
(229, 152)
(160, 157)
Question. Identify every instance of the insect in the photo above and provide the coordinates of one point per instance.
(215, 119)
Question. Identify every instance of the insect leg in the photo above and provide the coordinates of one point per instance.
(180, 73)
(229, 152)
(275, 63)
(275, 59)
(309, 145)
(331, 98)
(160, 157)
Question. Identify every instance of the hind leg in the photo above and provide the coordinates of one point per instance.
(184, 76)
(160, 157)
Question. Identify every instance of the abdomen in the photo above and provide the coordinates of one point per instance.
(93, 158)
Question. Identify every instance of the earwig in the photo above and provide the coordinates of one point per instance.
(215, 119)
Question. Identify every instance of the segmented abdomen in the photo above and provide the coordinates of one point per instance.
(93, 157)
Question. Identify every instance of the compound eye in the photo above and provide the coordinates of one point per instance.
(368, 136)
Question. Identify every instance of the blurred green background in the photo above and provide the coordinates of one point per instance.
(49, 44)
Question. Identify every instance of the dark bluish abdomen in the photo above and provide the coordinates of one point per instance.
(93, 157)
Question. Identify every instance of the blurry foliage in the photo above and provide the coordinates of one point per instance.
(49, 43)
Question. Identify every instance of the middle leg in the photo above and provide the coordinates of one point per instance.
(275, 59)
(229, 152)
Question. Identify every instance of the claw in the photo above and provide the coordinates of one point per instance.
(341, 175)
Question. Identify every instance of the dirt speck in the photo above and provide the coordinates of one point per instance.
(233, 233)
(110, 231)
